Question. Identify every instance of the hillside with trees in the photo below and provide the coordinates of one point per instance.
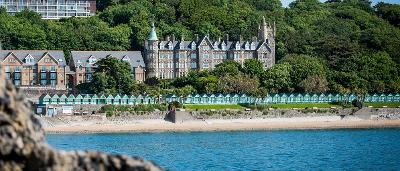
(336, 46)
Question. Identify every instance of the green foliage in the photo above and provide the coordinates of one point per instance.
(112, 76)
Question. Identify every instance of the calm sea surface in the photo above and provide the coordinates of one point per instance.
(339, 149)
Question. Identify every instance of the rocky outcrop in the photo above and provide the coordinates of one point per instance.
(23, 146)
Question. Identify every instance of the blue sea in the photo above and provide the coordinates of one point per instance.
(336, 149)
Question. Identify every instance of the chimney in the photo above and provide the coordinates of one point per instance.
(240, 38)
(173, 37)
(254, 39)
(182, 38)
(226, 38)
(219, 39)
(197, 37)
(166, 38)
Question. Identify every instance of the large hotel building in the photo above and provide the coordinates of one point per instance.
(170, 58)
(52, 9)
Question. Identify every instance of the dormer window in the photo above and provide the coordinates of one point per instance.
(125, 58)
(223, 46)
(237, 46)
(161, 45)
(193, 46)
(253, 46)
(79, 61)
(29, 59)
(170, 46)
(91, 60)
(181, 45)
(247, 47)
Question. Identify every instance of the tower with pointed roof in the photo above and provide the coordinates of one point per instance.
(151, 53)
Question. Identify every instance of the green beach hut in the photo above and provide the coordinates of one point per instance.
(78, 99)
(94, 99)
(374, 98)
(117, 100)
(70, 99)
(132, 100)
(124, 99)
(109, 99)
(212, 99)
(62, 99)
(102, 99)
(189, 99)
(322, 98)
(86, 99)
(382, 98)
(396, 98)
(44, 99)
(54, 99)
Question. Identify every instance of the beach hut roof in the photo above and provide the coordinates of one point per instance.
(284, 95)
(63, 96)
(204, 95)
(382, 95)
(102, 96)
(375, 95)
(171, 96)
(125, 96)
(95, 96)
(397, 95)
(330, 95)
(276, 95)
(235, 95)
(315, 95)
(243, 95)
(227, 95)
(220, 95)
(110, 96)
(47, 96)
(55, 96)
(390, 95)
(299, 95)
(197, 95)
(139, 96)
(212, 95)
(189, 95)
(307, 95)
(71, 96)
(78, 96)
(87, 96)
(322, 95)
(291, 95)
(117, 96)
(132, 97)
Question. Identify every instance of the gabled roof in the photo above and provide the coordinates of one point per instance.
(135, 57)
(58, 55)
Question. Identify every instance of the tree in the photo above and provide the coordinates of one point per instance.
(237, 84)
(112, 76)
(227, 68)
(389, 12)
(253, 67)
(277, 78)
(314, 84)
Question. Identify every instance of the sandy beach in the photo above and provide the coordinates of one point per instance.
(158, 125)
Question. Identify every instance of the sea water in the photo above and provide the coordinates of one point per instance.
(336, 149)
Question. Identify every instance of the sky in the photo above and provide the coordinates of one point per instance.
(286, 3)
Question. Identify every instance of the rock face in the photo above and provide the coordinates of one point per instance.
(23, 146)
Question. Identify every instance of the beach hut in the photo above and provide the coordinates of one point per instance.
(234, 98)
(109, 99)
(132, 100)
(329, 98)
(102, 99)
(396, 98)
(70, 99)
(306, 98)
(284, 98)
(291, 98)
(367, 98)
(196, 99)
(382, 98)
(62, 99)
(337, 98)
(124, 99)
(94, 99)
(54, 99)
(352, 97)
(149, 99)
(212, 99)
(244, 99)
(314, 98)
(44, 99)
(375, 98)
(86, 99)
(188, 99)
(204, 99)
(170, 98)
(139, 99)
(78, 99)
(322, 98)
(117, 100)
(298, 98)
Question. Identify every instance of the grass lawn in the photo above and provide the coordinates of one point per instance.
(212, 106)
(381, 104)
(303, 105)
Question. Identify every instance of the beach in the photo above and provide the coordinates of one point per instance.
(159, 125)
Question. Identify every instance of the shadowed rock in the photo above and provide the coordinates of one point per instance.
(23, 146)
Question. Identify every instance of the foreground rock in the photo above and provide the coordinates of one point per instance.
(23, 146)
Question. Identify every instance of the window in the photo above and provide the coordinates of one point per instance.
(193, 56)
(34, 75)
(17, 76)
(47, 60)
(217, 56)
(206, 48)
(237, 46)
(43, 82)
(53, 82)
(87, 69)
(194, 46)
(92, 60)
(43, 76)
(53, 68)
(33, 82)
(17, 82)
(53, 75)
(43, 69)
(205, 56)
(7, 68)
(205, 65)
(34, 67)
(12, 60)
(194, 65)
(88, 77)
(161, 65)
(223, 47)
(8, 75)
(17, 69)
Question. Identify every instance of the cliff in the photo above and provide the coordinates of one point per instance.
(23, 145)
